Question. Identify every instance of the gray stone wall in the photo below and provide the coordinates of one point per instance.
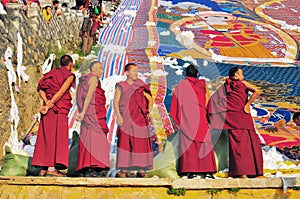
(37, 35)
(37, 38)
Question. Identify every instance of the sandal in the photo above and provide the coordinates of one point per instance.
(131, 174)
(122, 174)
(142, 174)
(55, 173)
(43, 172)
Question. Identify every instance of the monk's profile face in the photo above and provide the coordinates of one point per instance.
(239, 75)
(297, 121)
(132, 73)
(98, 69)
(70, 66)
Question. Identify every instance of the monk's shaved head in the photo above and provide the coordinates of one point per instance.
(232, 71)
(128, 66)
(191, 71)
(93, 64)
(65, 60)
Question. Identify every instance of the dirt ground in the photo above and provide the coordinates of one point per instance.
(27, 100)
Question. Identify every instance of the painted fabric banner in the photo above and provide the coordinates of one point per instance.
(163, 37)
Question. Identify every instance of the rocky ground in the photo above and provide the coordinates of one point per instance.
(27, 101)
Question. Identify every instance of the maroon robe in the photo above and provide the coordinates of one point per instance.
(134, 145)
(93, 149)
(51, 147)
(188, 110)
(226, 111)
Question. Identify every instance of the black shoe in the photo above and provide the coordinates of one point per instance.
(101, 172)
(209, 176)
(82, 172)
(91, 173)
(196, 176)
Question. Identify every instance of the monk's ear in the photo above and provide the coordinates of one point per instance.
(235, 76)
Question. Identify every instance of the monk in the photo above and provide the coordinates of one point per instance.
(51, 150)
(188, 110)
(296, 118)
(229, 108)
(132, 104)
(93, 149)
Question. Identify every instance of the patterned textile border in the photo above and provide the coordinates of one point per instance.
(126, 40)
(114, 39)
(142, 49)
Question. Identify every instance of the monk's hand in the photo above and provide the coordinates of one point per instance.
(150, 109)
(247, 108)
(44, 110)
(120, 120)
(49, 104)
(79, 117)
(271, 128)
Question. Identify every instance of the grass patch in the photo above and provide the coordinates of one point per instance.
(177, 192)
(234, 190)
(213, 191)
(296, 188)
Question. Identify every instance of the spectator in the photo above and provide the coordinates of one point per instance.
(56, 8)
(296, 118)
(82, 4)
(87, 34)
(47, 13)
(64, 5)
(97, 25)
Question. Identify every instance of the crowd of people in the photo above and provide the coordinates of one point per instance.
(94, 16)
(90, 29)
(194, 111)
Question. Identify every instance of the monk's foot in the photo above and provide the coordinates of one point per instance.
(81, 172)
(102, 172)
(196, 176)
(121, 174)
(55, 173)
(142, 174)
(185, 175)
(260, 176)
(43, 173)
(209, 176)
(239, 176)
(131, 174)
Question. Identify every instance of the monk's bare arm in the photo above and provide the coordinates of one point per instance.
(255, 93)
(61, 91)
(43, 96)
(117, 97)
(150, 101)
(207, 95)
(44, 108)
(93, 82)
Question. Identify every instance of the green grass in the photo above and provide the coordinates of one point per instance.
(234, 190)
(60, 52)
(177, 192)
(213, 191)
